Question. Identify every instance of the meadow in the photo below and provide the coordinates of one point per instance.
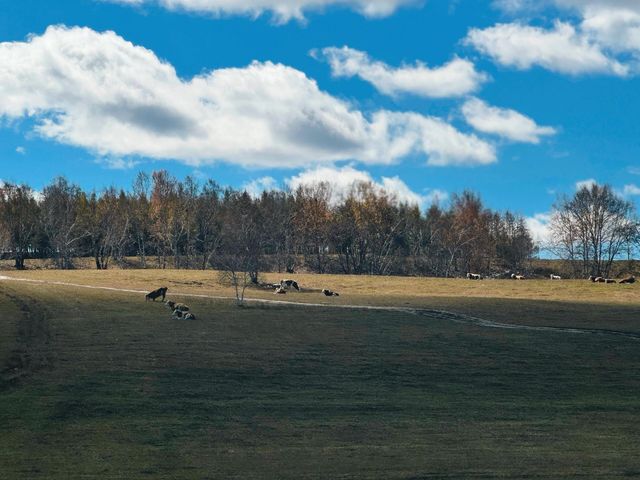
(101, 384)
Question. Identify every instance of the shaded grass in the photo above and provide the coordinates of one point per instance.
(295, 392)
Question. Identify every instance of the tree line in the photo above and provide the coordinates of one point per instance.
(167, 222)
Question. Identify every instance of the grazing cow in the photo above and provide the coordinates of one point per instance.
(280, 290)
(170, 305)
(555, 277)
(161, 292)
(181, 306)
(288, 283)
(474, 276)
(330, 293)
(189, 316)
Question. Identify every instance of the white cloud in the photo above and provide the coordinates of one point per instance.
(631, 189)
(282, 10)
(343, 180)
(588, 183)
(503, 122)
(100, 92)
(259, 185)
(456, 78)
(560, 49)
(539, 227)
(633, 170)
(21, 150)
(610, 24)
(117, 163)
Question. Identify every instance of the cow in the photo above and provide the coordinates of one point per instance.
(189, 316)
(592, 278)
(330, 293)
(555, 277)
(170, 305)
(280, 291)
(517, 277)
(630, 279)
(599, 280)
(181, 307)
(177, 314)
(474, 276)
(160, 292)
(288, 283)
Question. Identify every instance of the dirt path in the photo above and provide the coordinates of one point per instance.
(433, 314)
(32, 351)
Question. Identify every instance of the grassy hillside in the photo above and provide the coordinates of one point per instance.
(114, 388)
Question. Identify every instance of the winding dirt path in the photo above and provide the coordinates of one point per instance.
(433, 314)
(32, 351)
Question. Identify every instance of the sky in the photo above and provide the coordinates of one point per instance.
(518, 100)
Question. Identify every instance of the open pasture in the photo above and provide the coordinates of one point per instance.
(100, 383)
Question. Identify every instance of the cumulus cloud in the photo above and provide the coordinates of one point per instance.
(503, 122)
(343, 180)
(21, 150)
(100, 92)
(282, 10)
(539, 226)
(611, 25)
(456, 78)
(560, 49)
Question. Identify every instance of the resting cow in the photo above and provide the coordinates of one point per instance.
(288, 283)
(181, 306)
(161, 292)
(330, 293)
(170, 305)
(517, 277)
(474, 276)
(555, 277)
(280, 291)
(630, 279)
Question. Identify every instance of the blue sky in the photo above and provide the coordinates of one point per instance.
(516, 100)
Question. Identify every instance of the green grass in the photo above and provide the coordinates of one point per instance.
(116, 389)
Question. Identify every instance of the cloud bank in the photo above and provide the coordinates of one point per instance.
(101, 92)
(282, 10)
(342, 181)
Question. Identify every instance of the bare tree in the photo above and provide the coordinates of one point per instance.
(18, 220)
(593, 228)
(60, 221)
(241, 243)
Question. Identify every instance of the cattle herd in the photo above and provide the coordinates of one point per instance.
(180, 311)
(594, 279)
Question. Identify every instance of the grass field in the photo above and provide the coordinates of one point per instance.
(100, 384)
